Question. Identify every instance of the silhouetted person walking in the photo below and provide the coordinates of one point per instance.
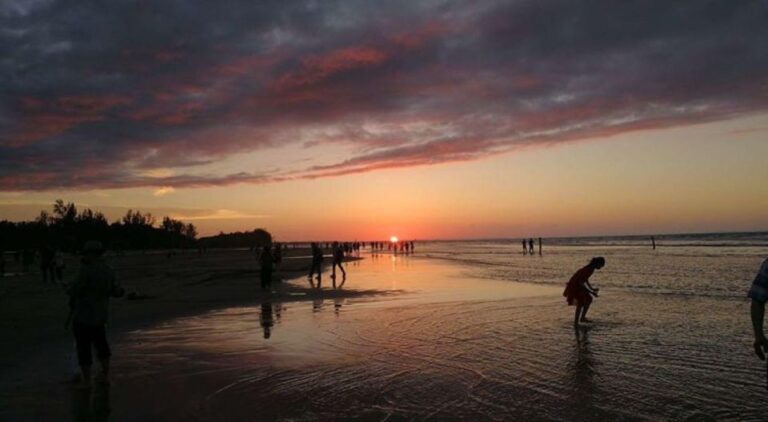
(525, 247)
(89, 309)
(579, 292)
(317, 263)
(47, 265)
(59, 265)
(338, 258)
(530, 246)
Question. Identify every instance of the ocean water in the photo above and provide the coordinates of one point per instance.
(720, 265)
(474, 330)
(466, 330)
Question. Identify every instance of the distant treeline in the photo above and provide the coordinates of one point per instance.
(67, 229)
(258, 237)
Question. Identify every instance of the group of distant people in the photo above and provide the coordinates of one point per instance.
(52, 263)
(402, 246)
(338, 251)
(529, 246)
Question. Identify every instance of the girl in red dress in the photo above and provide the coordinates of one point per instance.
(579, 292)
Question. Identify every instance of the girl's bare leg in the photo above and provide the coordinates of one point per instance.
(584, 313)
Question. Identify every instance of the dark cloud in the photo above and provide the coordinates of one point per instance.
(95, 95)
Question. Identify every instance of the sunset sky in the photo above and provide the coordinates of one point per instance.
(365, 119)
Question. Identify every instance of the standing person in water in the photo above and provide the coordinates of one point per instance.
(317, 263)
(759, 295)
(530, 246)
(579, 292)
(89, 309)
(338, 258)
(525, 247)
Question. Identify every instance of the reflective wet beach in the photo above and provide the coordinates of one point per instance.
(427, 355)
(448, 342)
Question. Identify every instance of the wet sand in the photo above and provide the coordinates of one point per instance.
(447, 346)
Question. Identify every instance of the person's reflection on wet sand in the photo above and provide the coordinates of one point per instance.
(317, 305)
(91, 404)
(583, 374)
(265, 318)
(337, 303)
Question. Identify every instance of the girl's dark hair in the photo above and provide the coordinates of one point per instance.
(597, 261)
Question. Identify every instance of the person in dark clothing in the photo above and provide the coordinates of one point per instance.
(530, 246)
(579, 292)
(266, 260)
(317, 263)
(47, 265)
(759, 295)
(89, 310)
(338, 258)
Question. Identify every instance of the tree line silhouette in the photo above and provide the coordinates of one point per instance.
(67, 229)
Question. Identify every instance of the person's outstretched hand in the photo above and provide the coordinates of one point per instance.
(761, 344)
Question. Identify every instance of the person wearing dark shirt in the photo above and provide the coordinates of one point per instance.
(338, 258)
(317, 263)
(89, 310)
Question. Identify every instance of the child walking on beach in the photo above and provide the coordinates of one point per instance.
(579, 292)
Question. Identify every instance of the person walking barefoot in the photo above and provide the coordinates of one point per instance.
(579, 292)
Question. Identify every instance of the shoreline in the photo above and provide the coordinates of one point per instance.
(187, 284)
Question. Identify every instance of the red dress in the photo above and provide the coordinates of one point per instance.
(575, 291)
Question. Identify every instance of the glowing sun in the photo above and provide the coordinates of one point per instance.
(393, 239)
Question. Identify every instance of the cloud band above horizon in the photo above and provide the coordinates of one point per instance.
(156, 93)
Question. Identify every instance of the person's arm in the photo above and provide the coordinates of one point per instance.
(589, 287)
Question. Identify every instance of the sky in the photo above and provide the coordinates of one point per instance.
(365, 119)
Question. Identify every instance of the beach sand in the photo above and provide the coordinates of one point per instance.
(442, 344)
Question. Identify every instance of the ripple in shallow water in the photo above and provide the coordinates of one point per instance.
(645, 357)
